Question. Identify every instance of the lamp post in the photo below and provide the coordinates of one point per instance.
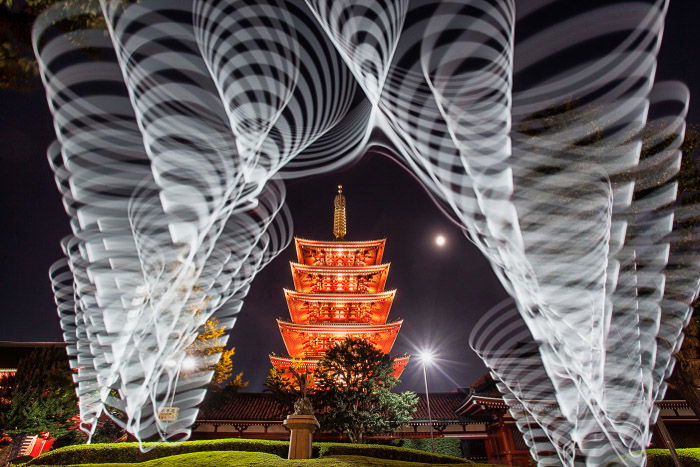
(426, 357)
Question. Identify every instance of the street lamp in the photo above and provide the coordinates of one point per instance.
(426, 357)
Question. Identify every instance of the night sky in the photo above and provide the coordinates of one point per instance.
(442, 292)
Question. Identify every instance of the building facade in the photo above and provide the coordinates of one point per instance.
(477, 416)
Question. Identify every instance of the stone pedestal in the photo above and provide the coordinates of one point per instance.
(302, 428)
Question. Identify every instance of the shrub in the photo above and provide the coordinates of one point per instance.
(386, 452)
(662, 458)
(129, 452)
(446, 446)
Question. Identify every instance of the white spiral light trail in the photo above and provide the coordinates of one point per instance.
(551, 144)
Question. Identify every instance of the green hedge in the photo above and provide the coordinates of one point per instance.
(447, 446)
(689, 457)
(386, 452)
(129, 452)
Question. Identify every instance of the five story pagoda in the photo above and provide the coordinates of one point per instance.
(338, 293)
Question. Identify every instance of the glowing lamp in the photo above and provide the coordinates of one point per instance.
(426, 357)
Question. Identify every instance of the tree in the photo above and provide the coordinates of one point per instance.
(18, 67)
(686, 375)
(211, 341)
(292, 388)
(353, 395)
(43, 397)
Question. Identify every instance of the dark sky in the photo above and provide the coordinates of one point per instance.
(441, 291)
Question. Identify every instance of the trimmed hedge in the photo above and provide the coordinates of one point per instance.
(446, 446)
(130, 453)
(689, 457)
(387, 452)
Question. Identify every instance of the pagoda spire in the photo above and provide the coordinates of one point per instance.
(340, 223)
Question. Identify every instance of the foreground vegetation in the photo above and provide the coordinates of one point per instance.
(242, 459)
(689, 457)
(363, 405)
(249, 452)
(236, 452)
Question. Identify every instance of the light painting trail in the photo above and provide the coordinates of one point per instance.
(175, 127)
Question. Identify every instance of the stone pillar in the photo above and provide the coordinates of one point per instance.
(302, 428)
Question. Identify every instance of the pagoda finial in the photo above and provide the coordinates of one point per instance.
(340, 224)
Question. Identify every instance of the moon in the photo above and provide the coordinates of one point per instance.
(440, 240)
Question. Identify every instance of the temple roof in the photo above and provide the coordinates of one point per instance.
(364, 279)
(263, 407)
(303, 340)
(323, 307)
(340, 297)
(12, 352)
(340, 328)
(310, 363)
(484, 397)
(315, 252)
(340, 270)
(245, 406)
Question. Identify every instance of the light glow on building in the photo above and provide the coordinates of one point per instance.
(338, 293)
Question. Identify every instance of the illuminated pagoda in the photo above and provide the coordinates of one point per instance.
(338, 293)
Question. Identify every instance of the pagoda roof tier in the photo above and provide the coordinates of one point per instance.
(314, 308)
(313, 340)
(339, 252)
(326, 279)
(309, 365)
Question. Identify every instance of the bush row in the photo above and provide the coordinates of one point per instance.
(129, 452)
(447, 446)
(662, 458)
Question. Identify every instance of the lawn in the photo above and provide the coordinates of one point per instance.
(242, 458)
(689, 457)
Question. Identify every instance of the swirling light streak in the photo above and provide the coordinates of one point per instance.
(561, 172)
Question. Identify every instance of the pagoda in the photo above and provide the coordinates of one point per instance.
(338, 294)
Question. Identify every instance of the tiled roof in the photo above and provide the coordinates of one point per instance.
(12, 352)
(245, 406)
(263, 407)
(442, 406)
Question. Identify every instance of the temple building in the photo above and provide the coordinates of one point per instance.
(476, 418)
(339, 291)
(338, 294)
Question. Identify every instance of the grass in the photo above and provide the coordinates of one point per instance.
(689, 457)
(241, 452)
(243, 458)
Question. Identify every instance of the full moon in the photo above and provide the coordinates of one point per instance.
(440, 240)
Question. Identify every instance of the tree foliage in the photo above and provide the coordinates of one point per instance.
(212, 340)
(539, 127)
(354, 397)
(18, 67)
(42, 397)
(352, 391)
(291, 385)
